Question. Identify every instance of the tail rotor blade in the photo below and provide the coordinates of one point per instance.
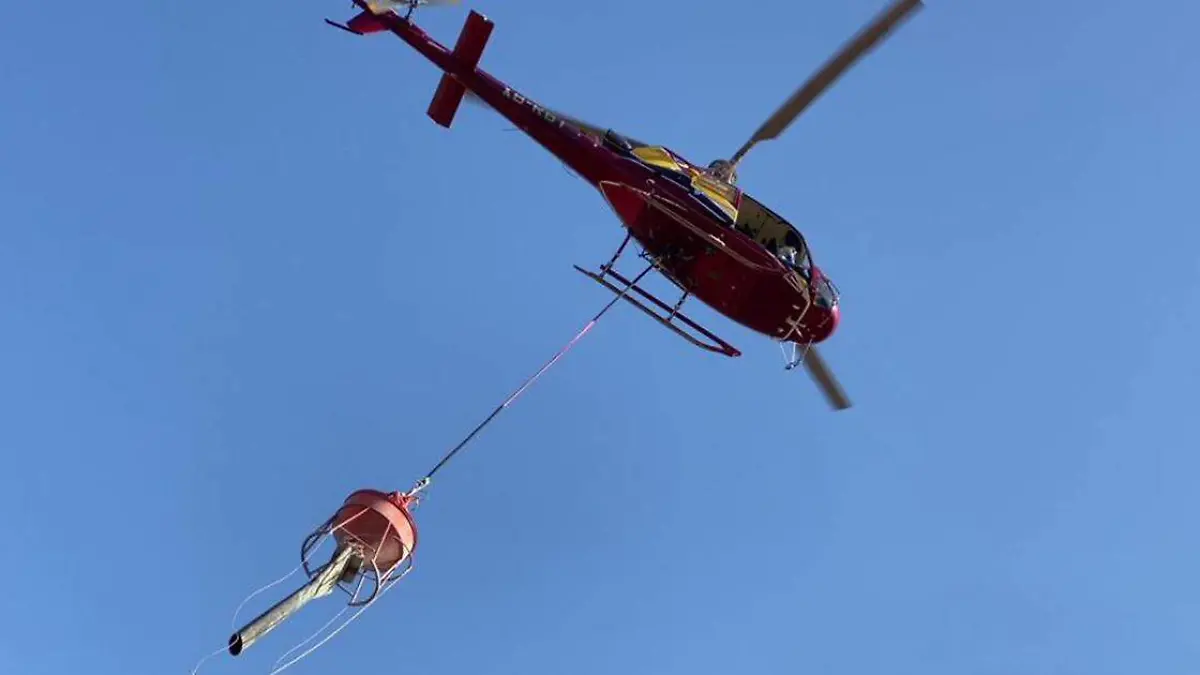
(826, 382)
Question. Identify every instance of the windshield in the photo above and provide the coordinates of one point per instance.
(827, 294)
(779, 237)
(771, 230)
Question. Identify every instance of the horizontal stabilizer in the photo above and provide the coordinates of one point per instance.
(446, 100)
(364, 23)
(467, 52)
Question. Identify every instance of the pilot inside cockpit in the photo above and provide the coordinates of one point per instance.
(796, 260)
(826, 295)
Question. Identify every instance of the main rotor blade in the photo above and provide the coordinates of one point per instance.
(583, 126)
(381, 6)
(859, 45)
(828, 385)
(586, 127)
(594, 130)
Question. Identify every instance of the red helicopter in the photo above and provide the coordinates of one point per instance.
(696, 227)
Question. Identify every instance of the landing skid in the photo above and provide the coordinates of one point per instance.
(670, 317)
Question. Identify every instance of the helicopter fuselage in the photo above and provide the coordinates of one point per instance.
(693, 243)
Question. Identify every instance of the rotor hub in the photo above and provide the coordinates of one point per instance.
(724, 170)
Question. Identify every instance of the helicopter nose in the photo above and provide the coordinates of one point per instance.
(826, 326)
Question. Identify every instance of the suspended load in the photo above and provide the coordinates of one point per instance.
(375, 536)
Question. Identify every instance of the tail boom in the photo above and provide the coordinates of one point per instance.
(462, 74)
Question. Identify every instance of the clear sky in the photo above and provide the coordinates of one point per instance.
(242, 274)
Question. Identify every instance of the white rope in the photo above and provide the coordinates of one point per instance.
(347, 622)
(233, 622)
(204, 660)
(312, 637)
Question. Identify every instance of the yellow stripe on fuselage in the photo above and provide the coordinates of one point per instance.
(658, 157)
(720, 193)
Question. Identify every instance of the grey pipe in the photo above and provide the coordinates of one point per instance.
(321, 584)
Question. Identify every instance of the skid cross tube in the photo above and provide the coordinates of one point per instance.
(714, 343)
(620, 249)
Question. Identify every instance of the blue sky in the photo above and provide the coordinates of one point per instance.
(242, 274)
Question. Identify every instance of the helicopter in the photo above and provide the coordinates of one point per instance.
(707, 236)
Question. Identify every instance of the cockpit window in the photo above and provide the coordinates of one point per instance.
(796, 257)
(617, 142)
(768, 228)
(827, 294)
